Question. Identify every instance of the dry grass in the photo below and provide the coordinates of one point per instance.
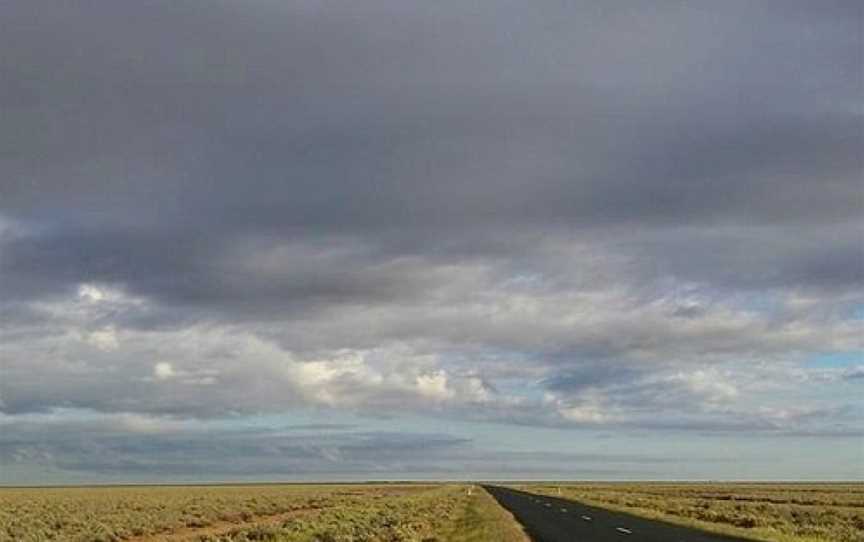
(423, 517)
(446, 514)
(760, 511)
(485, 520)
(287, 513)
(108, 514)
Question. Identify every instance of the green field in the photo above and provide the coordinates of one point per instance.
(783, 512)
(290, 513)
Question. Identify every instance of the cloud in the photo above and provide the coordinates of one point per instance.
(574, 215)
(163, 370)
(130, 448)
(853, 373)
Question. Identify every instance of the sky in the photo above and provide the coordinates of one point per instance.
(462, 239)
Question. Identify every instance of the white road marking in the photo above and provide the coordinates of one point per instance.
(564, 510)
(586, 518)
(622, 530)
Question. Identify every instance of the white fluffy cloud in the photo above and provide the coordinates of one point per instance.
(596, 358)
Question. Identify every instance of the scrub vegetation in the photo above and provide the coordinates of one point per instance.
(783, 512)
(287, 513)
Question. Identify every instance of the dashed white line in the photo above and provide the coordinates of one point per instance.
(622, 530)
(564, 510)
(586, 518)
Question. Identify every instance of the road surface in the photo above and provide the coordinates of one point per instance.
(550, 519)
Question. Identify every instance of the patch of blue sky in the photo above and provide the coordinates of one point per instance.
(515, 387)
(837, 359)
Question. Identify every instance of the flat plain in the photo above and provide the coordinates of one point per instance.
(418, 512)
(289, 513)
(782, 512)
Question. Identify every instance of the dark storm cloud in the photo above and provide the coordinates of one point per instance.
(145, 138)
(339, 117)
(515, 190)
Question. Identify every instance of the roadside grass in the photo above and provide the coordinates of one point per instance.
(447, 514)
(484, 520)
(760, 512)
(287, 513)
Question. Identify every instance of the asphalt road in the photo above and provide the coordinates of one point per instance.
(550, 519)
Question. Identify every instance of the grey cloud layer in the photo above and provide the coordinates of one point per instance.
(439, 206)
(133, 448)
